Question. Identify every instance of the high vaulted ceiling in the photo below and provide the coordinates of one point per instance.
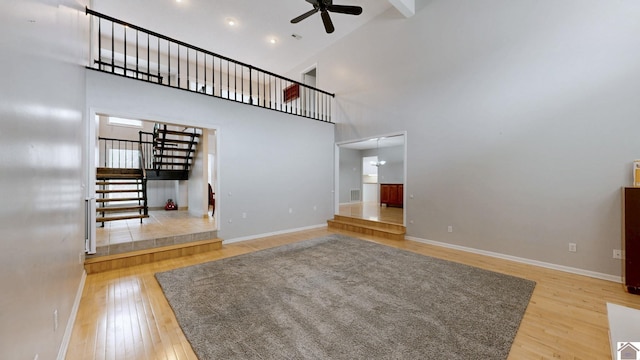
(203, 23)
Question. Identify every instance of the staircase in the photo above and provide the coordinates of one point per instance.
(121, 194)
(368, 227)
(173, 152)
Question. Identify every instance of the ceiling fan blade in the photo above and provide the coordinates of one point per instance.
(345, 9)
(326, 19)
(313, 2)
(304, 16)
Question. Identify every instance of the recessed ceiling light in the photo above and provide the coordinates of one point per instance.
(273, 40)
(230, 21)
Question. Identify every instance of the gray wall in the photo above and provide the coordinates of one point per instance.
(350, 173)
(521, 119)
(392, 172)
(41, 167)
(269, 162)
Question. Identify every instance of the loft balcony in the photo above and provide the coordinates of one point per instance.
(124, 49)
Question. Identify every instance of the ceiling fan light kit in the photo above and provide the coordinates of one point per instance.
(324, 7)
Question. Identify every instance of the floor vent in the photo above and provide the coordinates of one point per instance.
(355, 194)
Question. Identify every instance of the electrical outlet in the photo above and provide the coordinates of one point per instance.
(449, 228)
(573, 247)
(617, 254)
(55, 319)
(244, 215)
(290, 210)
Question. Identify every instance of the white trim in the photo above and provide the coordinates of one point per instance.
(66, 338)
(257, 236)
(568, 269)
(337, 169)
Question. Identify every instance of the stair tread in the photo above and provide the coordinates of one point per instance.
(107, 191)
(114, 218)
(119, 199)
(172, 141)
(176, 132)
(164, 156)
(118, 176)
(173, 149)
(117, 182)
(119, 208)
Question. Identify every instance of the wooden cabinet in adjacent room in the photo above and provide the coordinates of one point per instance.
(391, 194)
(631, 238)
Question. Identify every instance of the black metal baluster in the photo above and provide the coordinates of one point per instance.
(228, 83)
(179, 66)
(213, 75)
(169, 62)
(148, 57)
(113, 50)
(137, 57)
(188, 66)
(235, 81)
(270, 97)
(100, 44)
(159, 75)
(204, 62)
(197, 84)
(125, 50)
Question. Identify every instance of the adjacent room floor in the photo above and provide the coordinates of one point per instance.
(373, 211)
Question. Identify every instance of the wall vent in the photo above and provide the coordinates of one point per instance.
(355, 195)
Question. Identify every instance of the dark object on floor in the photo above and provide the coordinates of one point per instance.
(212, 200)
(170, 205)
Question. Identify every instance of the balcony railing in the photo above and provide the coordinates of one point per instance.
(129, 50)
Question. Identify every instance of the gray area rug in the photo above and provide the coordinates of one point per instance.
(338, 297)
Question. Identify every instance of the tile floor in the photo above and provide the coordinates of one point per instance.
(159, 229)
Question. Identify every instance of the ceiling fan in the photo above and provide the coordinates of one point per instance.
(326, 6)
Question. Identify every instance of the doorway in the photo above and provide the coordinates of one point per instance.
(193, 218)
(363, 166)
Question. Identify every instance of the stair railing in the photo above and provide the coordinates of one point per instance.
(142, 163)
(128, 50)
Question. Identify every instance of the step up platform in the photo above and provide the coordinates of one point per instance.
(368, 227)
(96, 264)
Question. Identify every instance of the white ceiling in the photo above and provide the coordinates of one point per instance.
(202, 24)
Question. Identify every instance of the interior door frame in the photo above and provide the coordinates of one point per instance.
(91, 143)
(336, 181)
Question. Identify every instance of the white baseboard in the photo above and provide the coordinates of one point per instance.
(66, 338)
(252, 237)
(567, 269)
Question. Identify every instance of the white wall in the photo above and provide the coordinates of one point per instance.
(522, 119)
(198, 190)
(269, 162)
(42, 189)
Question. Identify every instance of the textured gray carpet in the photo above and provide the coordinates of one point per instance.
(342, 298)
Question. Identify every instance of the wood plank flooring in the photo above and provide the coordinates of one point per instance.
(124, 315)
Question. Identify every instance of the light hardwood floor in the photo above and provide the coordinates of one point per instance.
(373, 211)
(124, 315)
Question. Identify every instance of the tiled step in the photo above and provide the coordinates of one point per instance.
(118, 261)
(368, 227)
